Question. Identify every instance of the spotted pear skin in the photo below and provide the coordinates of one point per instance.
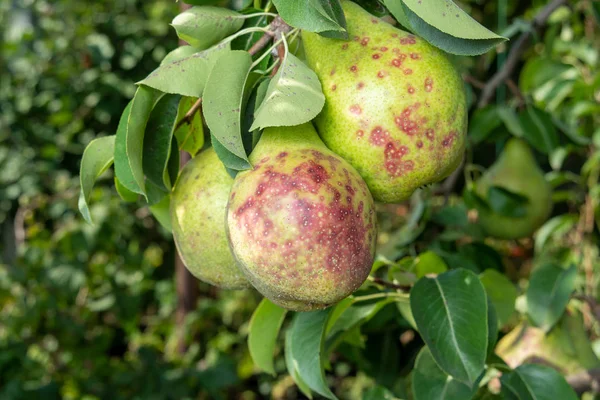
(198, 205)
(395, 106)
(302, 222)
(517, 171)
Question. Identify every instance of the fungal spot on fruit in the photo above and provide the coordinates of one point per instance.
(376, 56)
(408, 71)
(360, 85)
(383, 48)
(332, 71)
(415, 56)
(397, 62)
(333, 87)
(373, 20)
(428, 84)
(404, 121)
(393, 153)
(282, 154)
(365, 41)
(411, 89)
(378, 136)
(355, 109)
(394, 35)
(382, 74)
(344, 46)
(354, 68)
(449, 139)
(419, 144)
(360, 133)
(429, 134)
(356, 38)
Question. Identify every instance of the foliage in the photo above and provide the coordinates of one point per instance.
(89, 308)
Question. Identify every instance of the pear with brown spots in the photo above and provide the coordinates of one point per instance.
(198, 205)
(302, 222)
(395, 106)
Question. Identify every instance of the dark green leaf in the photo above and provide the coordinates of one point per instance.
(536, 382)
(202, 27)
(294, 96)
(125, 194)
(451, 314)
(158, 139)
(186, 76)
(539, 129)
(307, 336)
(501, 292)
(141, 108)
(314, 15)
(229, 159)
(430, 382)
(122, 167)
(292, 366)
(378, 392)
(504, 202)
(483, 122)
(492, 323)
(223, 101)
(550, 287)
(262, 334)
(443, 24)
(97, 158)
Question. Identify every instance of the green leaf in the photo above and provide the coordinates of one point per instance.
(190, 135)
(97, 157)
(307, 337)
(451, 314)
(202, 27)
(429, 381)
(378, 392)
(179, 53)
(294, 96)
(186, 76)
(223, 100)
(483, 122)
(501, 292)
(161, 212)
(539, 130)
(262, 336)
(445, 25)
(511, 121)
(492, 324)
(504, 202)
(550, 287)
(158, 139)
(292, 366)
(229, 159)
(143, 102)
(314, 16)
(154, 193)
(536, 382)
(554, 227)
(122, 168)
(125, 194)
(429, 263)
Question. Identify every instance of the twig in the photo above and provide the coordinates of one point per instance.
(390, 285)
(516, 92)
(448, 185)
(261, 43)
(585, 381)
(473, 81)
(515, 53)
(187, 118)
(281, 56)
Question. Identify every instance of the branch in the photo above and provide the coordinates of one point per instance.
(379, 281)
(187, 118)
(515, 53)
(585, 381)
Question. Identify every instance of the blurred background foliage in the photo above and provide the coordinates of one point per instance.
(87, 312)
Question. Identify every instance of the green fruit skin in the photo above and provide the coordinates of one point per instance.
(198, 205)
(302, 222)
(516, 171)
(395, 106)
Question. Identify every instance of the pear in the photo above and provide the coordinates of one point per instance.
(198, 205)
(302, 222)
(516, 171)
(395, 106)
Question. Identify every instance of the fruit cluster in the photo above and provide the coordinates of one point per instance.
(300, 226)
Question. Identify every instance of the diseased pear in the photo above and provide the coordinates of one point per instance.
(198, 205)
(302, 222)
(516, 171)
(395, 106)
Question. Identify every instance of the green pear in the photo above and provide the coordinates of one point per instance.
(302, 222)
(395, 106)
(516, 171)
(198, 205)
